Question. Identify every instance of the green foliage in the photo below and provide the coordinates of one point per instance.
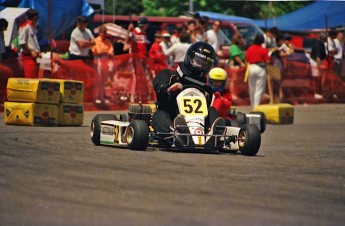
(250, 9)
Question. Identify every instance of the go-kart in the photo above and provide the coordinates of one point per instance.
(135, 131)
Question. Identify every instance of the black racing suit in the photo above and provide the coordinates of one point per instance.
(166, 102)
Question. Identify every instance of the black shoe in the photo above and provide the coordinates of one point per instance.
(181, 126)
(217, 128)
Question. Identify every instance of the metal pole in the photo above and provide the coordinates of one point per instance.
(191, 5)
(114, 3)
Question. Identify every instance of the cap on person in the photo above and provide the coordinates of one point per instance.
(142, 21)
(166, 34)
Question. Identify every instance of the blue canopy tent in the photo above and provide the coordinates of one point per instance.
(54, 19)
(219, 16)
(309, 17)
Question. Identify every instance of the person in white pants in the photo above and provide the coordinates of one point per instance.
(257, 57)
(257, 83)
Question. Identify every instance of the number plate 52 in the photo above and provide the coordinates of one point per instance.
(193, 105)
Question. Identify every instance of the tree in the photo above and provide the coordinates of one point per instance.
(250, 9)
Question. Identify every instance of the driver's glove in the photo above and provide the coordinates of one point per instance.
(175, 87)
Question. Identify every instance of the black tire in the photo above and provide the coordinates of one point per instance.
(95, 132)
(137, 135)
(249, 140)
(241, 118)
(262, 120)
(234, 123)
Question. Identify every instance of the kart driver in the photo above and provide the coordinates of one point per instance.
(217, 79)
(168, 83)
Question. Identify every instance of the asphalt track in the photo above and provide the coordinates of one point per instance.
(56, 176)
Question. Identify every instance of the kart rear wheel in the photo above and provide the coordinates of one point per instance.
(95, 132)
(262, 120)
(137, 135)
(249, 139)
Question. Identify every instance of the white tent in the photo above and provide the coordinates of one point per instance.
(15, 17)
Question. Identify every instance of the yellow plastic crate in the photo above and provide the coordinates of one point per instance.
(71, 114)
(45, 91)
(71, 91)
(30, 114)
(277, 113)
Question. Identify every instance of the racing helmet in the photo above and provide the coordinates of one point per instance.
(199, 60)
(217, 79)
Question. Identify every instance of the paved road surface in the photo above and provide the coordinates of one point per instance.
(56, 176)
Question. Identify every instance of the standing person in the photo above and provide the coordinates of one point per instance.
(215, 39)
(191, 29)
(138, 38)
(202, 28)
(102, 51)
(3, 28)
(30, 48)
(257, 57)
(317, 59)
(286, 47)
(338, 57)
(175, 38)
(271, 39)
(156, 54)
(237, 62)
(178, 50)
(81, 41)
(166, 44)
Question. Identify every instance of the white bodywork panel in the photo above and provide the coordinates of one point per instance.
(112, 132)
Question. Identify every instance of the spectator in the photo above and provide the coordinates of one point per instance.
(201, 29)
(166, 44)
(317, 58)
(215, 39)
(3, 28)
(191, 29)
(156, 54)
(81, 41)
(237, 62)
(286, 48)
(120, 46)
(102, 51)
(175, 38)
(138, 39)
(338, 57)
(330, 45)
(178, 50)
(257, 57)
(270, 39)
(30, 49)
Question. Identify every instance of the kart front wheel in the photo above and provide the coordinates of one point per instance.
(95, 132)
(249, 139)
(137, 135)
(262, 120)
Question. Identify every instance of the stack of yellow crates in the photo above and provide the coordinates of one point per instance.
(44, 102)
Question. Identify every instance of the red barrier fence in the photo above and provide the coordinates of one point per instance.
(130, 80)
